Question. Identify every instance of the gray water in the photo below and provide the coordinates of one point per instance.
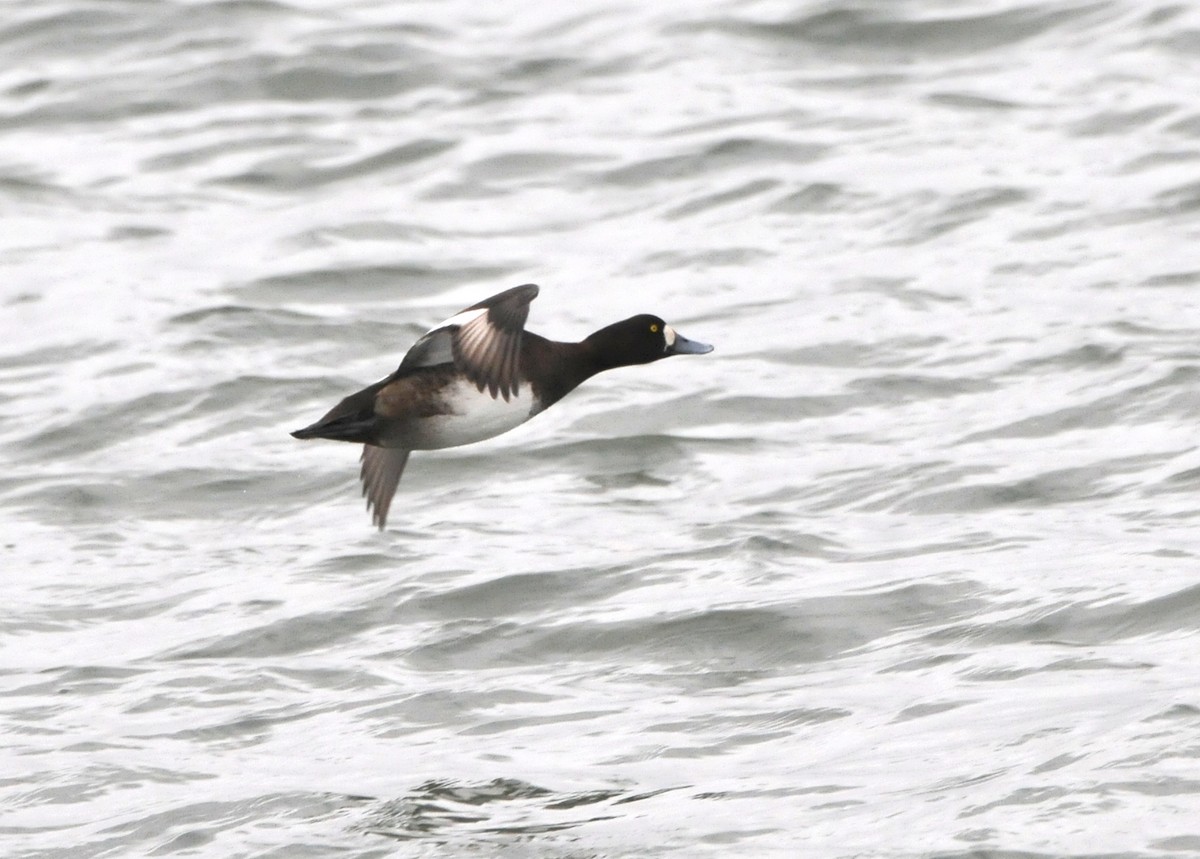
(907, 567)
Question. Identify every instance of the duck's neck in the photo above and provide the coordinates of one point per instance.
(573, 363)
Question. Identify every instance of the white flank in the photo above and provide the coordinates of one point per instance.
(477, 416)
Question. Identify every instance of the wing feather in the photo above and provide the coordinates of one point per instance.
(380, 473)
(487, 346)
(484, 341)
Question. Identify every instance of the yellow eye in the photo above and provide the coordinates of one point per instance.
(654, 328)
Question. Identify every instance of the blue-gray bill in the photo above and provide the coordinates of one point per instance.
(684, 346)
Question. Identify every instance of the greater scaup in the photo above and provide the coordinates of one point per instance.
(479, 374)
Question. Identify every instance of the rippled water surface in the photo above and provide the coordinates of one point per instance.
(907, 567)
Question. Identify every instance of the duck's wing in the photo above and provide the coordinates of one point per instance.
(484, 341)
(380, 473)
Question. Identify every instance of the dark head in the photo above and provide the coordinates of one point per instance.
(640, 340)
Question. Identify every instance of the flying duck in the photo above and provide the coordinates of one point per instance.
(475, 376)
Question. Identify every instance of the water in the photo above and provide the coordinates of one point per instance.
(906, 568)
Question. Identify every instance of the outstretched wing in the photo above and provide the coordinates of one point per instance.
(484, 341)
(380, 473)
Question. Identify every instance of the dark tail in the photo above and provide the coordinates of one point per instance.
(355, 428)
(353, 419)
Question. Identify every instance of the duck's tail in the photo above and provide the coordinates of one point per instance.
(353, 419)
(354, 428)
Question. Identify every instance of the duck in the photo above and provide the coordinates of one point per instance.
(475, 376)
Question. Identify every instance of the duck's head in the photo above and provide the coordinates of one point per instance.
(641, 339)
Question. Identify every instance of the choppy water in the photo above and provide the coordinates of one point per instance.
(906, 568)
